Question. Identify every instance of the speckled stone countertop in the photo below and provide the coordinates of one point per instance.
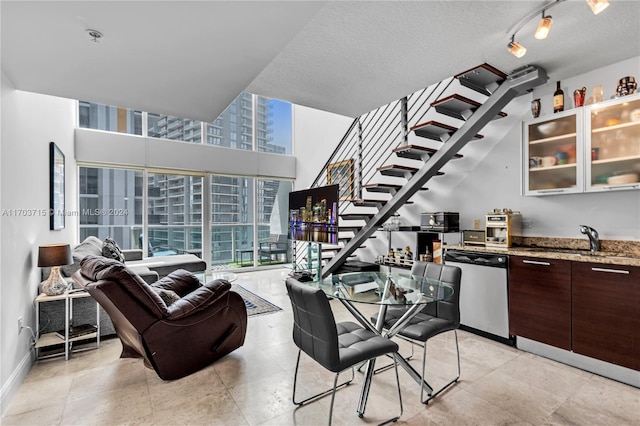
(612, 252)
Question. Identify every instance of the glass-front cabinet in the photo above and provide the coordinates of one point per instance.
(553, 154)
(613, 144)
(587, 149)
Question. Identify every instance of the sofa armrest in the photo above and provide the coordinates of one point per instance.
(132, 254)
(181, 281)
(199, 299)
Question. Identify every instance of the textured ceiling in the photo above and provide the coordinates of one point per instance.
(191, 59)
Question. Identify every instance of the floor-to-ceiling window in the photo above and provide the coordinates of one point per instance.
(243, 210)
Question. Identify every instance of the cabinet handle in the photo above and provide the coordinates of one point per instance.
(535, 262)
(549, 191)
(615, 271)
(634, 185)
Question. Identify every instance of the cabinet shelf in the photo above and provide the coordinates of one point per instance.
(553, 138)
(632, 158)
(615, 127)
(552, 168)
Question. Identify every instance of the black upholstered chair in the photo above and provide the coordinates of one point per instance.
(337, 347)
(433, 319)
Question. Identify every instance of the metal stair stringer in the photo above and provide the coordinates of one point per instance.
(515, 85)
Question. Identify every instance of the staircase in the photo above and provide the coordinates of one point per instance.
(424, 162)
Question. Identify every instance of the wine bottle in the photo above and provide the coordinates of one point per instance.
(558, 99)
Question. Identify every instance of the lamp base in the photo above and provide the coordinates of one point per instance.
(55, 284)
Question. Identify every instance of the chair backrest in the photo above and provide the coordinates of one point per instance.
(314, 326)
(278, 241)
(449, 309)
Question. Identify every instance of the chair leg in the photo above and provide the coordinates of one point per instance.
(318, 395)
(424, 357)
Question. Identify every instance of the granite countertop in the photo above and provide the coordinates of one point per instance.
(614, 252)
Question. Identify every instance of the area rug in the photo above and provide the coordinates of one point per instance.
(255, 304)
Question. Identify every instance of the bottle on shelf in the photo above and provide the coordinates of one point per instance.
(558, 99)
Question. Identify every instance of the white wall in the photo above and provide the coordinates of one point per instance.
(29, 122)
(316, 134)
(95, 146)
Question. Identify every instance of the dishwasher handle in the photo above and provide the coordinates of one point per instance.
(536, 262)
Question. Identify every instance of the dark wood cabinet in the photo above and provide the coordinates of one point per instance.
(606, 312)
(540, 300)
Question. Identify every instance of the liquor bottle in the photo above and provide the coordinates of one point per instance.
(558, 99)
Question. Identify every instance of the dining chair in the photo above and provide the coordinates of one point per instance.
(434, 319)
(335, 346)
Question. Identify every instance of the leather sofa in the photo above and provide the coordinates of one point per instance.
(201, 323)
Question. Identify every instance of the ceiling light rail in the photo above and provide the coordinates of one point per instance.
(544, 26)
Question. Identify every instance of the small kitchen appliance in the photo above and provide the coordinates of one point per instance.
(440, 221)
(501, 227)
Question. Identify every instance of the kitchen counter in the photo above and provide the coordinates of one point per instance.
(576, 255)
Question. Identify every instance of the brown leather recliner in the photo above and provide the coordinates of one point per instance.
(205, 323)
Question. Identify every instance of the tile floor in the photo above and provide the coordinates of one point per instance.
(252, 386)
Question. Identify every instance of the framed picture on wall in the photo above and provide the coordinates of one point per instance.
(341, 174)
(56, 188)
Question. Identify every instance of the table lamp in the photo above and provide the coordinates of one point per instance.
(54, 255)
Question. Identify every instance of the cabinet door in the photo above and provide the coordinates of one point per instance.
(613, 145)
(552, 154)
(606, 312)
(540, 300)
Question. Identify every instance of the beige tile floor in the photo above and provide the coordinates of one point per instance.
(252, 386)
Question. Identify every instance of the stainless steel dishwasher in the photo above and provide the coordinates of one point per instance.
(484, 298)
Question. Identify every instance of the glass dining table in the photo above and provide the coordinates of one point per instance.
(385, 289)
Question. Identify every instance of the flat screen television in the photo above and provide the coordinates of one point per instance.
(313, 214)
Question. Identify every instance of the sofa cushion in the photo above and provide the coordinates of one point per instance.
(111, 250)
(91, 246)
(164, 265)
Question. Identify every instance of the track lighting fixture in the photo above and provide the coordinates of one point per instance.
(516, 48)
(544, 26)
(598, 6)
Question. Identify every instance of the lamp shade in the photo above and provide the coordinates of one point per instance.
(54, 255)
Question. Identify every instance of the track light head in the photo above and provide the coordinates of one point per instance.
(515, 48)
(598, 6)
(544, 27)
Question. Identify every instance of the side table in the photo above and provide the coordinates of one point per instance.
(53, 339)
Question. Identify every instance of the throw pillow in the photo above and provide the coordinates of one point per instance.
(167, 296)
(111, 250)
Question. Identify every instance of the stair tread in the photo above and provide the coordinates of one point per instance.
(372, 203)
(416, 151)
(478, 78)
(389, 169)
(356, 216)
(455, 105)
(434, 130)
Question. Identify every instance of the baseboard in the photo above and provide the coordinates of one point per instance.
(12, 385)
(601, 368)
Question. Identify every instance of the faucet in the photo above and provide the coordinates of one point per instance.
(594, 243)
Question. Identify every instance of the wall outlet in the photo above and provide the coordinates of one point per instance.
(19, 325)
(476, 223)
